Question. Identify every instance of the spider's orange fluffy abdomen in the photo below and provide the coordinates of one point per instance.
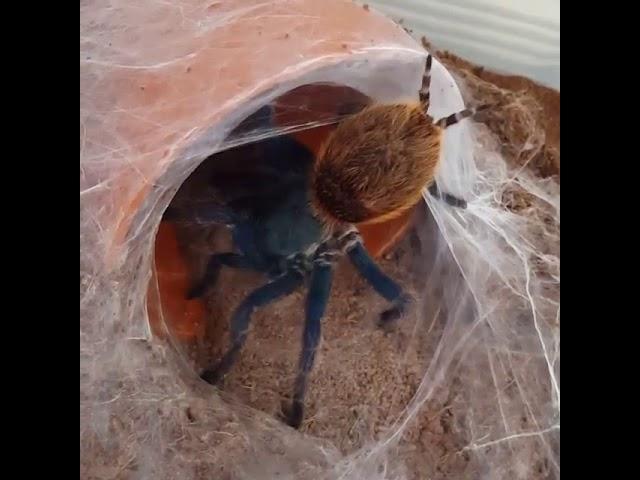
(375, 164)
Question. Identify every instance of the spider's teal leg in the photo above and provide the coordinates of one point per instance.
(380, 281)
(317, 298)
(280, 287)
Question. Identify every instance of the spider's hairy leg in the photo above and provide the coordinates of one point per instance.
(426, 82)
(457, 117)
(447, 197)
(380, 281)
(280, 287)
(317, 298)
(216, 262)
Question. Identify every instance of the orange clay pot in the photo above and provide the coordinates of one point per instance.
(223, 61)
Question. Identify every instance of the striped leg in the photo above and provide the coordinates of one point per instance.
(457, 117)
(425, 92)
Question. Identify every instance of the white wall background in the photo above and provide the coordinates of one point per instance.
(520, 37)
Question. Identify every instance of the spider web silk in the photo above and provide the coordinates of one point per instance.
(491, 275)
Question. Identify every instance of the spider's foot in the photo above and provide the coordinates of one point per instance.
(399, 308)
(292, 414)
(212, 376)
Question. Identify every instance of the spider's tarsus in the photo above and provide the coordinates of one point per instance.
(399, 308)
(293, 414)
(214, 377)
(390, 315)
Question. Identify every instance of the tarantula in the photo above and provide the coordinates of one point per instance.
(297, 216)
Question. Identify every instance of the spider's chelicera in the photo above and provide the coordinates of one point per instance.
(297, 217)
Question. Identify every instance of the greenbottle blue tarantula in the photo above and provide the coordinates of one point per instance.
(294, 216)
